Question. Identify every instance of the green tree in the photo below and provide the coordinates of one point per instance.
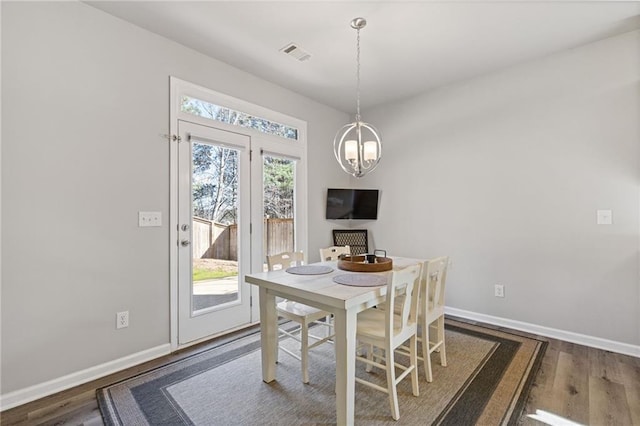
(278, 187)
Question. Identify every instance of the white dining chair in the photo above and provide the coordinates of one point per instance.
(384, 330)
(431, 317)
(300, 313)
(431, 334)
(333, 252)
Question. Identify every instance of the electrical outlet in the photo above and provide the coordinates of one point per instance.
(122, 319)
(498, 290)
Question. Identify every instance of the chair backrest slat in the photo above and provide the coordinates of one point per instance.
(333, 252)
(285, 260)
(407, 280)
(433, 285)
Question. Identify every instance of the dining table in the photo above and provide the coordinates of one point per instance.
(321, 291)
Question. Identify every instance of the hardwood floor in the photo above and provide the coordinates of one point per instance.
(585, 385)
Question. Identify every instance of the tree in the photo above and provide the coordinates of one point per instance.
(278, 187)
(215, 183)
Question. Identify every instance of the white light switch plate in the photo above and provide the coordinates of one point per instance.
(604, 217)
(149, 219)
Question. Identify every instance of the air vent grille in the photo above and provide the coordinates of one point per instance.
(296, 52)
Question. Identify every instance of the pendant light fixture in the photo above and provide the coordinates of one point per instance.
(357, 145)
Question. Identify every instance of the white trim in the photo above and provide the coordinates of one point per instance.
(22, 396)
(568, 336)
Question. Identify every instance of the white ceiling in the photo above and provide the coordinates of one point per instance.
(408, 47)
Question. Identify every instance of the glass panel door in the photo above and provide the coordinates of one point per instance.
(214, 231)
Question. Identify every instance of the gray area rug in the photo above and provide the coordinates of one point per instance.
(486, 382)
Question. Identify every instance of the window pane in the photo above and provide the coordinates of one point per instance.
(226, 115)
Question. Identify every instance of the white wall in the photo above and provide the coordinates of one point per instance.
(504, 173)
(85, 101)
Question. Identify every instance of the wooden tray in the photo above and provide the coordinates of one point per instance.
(356, 264)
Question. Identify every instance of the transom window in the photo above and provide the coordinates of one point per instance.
(236, 118)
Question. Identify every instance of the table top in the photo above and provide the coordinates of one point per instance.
(321, 289)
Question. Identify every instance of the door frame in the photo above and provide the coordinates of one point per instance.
(271, 144)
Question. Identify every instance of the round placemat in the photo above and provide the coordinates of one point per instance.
(361, 280)
(309, 269)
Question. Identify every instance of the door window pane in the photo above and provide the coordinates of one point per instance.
(278, 184)
(214, 225)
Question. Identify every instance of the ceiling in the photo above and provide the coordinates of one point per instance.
(407, 47)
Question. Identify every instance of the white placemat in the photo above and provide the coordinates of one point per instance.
(309, 269)
(361, 280)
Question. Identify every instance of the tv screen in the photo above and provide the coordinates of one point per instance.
(352, 203)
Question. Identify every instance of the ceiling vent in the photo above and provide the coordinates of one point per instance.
(296, 52)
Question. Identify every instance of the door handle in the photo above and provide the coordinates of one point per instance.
(185, 243)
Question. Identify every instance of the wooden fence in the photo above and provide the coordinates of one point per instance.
(212, 240)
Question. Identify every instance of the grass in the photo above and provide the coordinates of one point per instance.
(209, 274)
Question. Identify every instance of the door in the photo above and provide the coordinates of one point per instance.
(213, 231)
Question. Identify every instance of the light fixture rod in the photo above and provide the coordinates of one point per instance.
(358, 24)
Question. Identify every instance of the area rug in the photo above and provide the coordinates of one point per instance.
(486, 382)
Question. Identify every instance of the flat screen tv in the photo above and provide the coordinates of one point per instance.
(352, 203)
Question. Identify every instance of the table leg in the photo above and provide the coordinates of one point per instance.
(268, 334)
(345, 344)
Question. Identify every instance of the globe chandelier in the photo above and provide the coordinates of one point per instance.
(357, 145)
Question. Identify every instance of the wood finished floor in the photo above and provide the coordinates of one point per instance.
(585, 385)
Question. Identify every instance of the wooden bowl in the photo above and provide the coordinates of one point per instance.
(356, 264)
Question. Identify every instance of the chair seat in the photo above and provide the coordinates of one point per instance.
(289, 308)
(369, 325)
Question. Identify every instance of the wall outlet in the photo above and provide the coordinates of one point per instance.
(498, 290)
(122, 319)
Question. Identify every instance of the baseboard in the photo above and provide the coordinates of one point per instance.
(22, 396)
(568, 336)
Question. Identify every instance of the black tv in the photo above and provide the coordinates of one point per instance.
(352, 204)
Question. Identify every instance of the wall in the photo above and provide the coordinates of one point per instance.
(505, 172)
(85, 103)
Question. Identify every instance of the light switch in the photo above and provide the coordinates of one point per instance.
(149, 219)
(604, 217)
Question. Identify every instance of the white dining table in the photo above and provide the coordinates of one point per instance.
(320, 291)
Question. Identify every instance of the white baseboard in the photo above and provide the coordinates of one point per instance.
(568, 336)
(22, 396)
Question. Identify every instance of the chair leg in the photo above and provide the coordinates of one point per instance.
(443, 352)
(304, 351)
(413, 356)
(277, 345)
(391, 384)
(370, 350)
(426, 355)
(329, 328)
